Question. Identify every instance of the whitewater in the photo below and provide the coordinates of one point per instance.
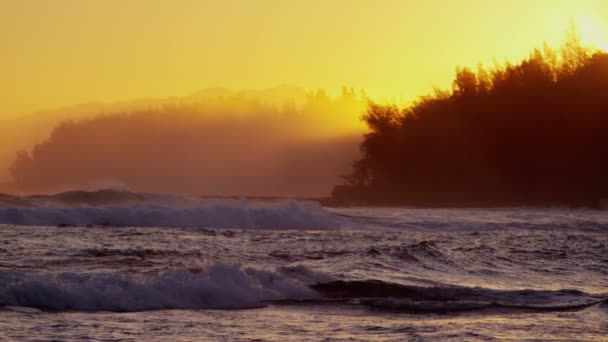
(115, 265)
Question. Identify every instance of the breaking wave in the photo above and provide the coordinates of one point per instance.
(223, 286)
(219, 286)
(123, 208)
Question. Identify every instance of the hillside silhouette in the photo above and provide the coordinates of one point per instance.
(216, 143)
(40, 124)
(532, 133)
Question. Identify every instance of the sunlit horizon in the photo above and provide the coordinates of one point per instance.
(63, 53)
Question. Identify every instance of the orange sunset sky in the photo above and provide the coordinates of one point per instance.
(63, 52)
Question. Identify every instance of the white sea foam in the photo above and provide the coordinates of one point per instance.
(166, 211)
(223, 286)
(220, 286)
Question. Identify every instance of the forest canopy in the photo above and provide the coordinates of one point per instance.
(514, 134)
(220, 145)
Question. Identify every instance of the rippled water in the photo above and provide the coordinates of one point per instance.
(343, 274)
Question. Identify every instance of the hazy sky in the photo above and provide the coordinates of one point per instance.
(62, 52)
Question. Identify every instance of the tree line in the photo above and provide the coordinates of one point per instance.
(531, 133)
(222, 145)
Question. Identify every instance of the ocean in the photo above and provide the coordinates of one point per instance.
(122, 266)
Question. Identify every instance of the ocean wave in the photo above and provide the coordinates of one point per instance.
(473, 219)
(225, 286)
(444, 299)
(218, 286)
(121, 208)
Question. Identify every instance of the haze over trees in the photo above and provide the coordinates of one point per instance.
(528, 133)
(218, 143)
(513, 134)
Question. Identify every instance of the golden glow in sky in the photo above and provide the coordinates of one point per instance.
(63, 52)
(591, 30)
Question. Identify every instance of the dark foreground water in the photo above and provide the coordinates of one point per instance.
(238, 271)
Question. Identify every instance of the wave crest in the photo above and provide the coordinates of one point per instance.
(443, 299)
(119, 208)
(219, 286)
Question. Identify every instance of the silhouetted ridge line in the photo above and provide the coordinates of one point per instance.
(533, 133)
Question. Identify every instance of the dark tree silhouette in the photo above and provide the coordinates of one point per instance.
(530, 133)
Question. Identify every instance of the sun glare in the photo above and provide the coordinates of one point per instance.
(592, 34)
